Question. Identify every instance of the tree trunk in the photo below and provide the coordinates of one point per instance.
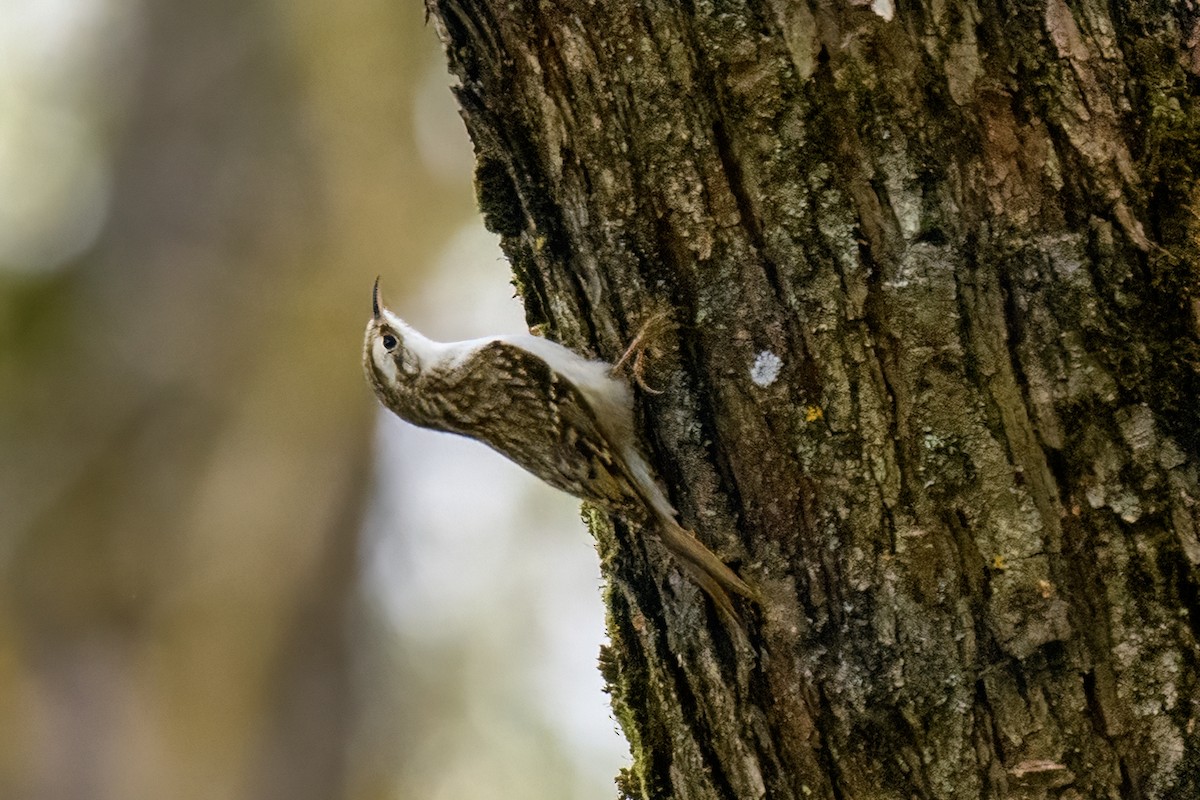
(934, 388)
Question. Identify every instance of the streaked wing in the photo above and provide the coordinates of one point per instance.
(515, 402)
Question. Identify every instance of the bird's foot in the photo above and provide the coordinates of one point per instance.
(647, 343)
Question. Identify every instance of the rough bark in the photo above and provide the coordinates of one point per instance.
(934, 388)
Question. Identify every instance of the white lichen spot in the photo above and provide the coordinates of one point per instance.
(884, 8)
(766, 369)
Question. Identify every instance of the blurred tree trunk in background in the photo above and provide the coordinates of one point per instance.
(183, 546)
(184, 429)
(935, 389)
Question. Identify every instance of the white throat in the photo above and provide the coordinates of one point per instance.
(427, 353)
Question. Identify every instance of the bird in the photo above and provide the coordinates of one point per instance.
(563, 417)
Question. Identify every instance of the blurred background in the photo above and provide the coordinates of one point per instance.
(223, 572)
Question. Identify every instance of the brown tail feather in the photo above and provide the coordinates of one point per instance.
(708, 571)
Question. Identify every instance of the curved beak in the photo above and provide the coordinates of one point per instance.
(375, 305)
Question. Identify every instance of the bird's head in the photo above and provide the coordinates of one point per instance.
(386, 360)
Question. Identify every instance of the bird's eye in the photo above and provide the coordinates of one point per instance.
(389, 342)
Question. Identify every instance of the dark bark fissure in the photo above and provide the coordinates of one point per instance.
(826, 756)
(703, 731)
(1188, 588)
